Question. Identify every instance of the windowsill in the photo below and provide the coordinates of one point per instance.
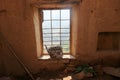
(66, 56)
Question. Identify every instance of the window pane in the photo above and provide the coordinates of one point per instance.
(65, 24)
(48, 46)
(65, 30)
(55, 30)
(46, 30)
(65, 34)
(55, 35)
(64, 38)
(65, 46)
(46, 14)
(47, 43)
(66, 50)
(65, 42)
(46, 35)
(65, 14)
(46, 39)
(55, 14)
(56, 38)
(46, 24)
(55, 24)
(56, 42)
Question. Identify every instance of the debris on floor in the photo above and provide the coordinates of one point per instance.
(70, 72)
(6, 78)
(67, 78)
(79, 76)
(112, 71)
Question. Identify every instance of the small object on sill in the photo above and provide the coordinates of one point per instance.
(55, 52)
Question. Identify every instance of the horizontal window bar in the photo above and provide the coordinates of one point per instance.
(54, 36)
(56, 19)
(54, 28)
(58, 33)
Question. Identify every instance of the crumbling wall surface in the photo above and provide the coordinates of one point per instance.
(16, 24)
(98, 16)
(17, 27)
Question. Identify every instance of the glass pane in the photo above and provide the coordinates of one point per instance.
(65, 46)
(55, 14)
(47, 43)
(65, 14)
(66, 50)
(65, 24)
(65, 30)
(46, 14)
(56, 38)
(55, 35)
(56, 42)
(65, 34)
(65, 42)
(55, 30)
(46, 35)
(48, 46)
(46, 24)
(65, 38)
(46, 39)
(46, 30)
(55, 24)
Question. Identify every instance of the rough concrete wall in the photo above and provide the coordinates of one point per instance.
(17, 26)
(87, 31)
(98, 16)
(108, 20)
(16, 23)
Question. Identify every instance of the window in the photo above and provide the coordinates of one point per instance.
(56, 24)
(56, 28)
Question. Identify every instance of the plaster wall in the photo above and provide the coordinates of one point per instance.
(97, 16)
(17, 25)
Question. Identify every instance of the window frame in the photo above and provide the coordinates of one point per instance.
(73, 25)
(40, 19)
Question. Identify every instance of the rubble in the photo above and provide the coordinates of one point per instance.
(79, 76)
(6, 78)
(112, 71)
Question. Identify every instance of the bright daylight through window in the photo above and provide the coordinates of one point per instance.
(56, 28)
